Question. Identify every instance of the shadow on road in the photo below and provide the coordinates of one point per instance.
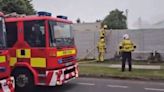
(62, 88)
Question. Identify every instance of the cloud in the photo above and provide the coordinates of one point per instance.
(90, 10)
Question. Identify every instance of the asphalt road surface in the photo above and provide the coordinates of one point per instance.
(105, 85)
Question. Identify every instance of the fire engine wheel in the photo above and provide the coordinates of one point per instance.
(24, 79)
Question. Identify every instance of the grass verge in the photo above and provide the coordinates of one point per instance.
(135, 62)
(142, 74)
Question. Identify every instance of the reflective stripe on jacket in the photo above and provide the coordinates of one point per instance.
(126, 45)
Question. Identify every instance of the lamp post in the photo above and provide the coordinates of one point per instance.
(126, 14)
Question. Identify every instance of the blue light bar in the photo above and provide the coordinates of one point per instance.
(43, 13)
(62, 17)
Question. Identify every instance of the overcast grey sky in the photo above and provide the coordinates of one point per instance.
(150, 11)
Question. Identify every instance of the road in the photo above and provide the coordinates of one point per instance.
(105, 85)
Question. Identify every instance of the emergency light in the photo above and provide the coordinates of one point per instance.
(43, 13)
(62, 17)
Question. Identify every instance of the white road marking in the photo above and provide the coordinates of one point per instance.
(117, 86)
(86, 84)
(154, 89)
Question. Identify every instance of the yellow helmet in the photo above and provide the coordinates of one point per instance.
(105, 26)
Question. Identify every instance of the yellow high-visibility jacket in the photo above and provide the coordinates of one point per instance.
(102, 33)
(101, 46)
(126, 45)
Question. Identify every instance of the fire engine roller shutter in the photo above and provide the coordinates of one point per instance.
(66, 52)
(2, 59)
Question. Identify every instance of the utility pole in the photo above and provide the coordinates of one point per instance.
(126, 14)
(140, 22)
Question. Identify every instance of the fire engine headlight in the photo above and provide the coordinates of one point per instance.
(60, 61)
(2, 69)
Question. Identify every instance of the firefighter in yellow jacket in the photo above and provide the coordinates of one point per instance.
(103, 31)
(126, 46)
(101, 46)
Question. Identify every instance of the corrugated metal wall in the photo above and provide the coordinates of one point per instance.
(146, 40)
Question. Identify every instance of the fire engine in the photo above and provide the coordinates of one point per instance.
(6, 82)
(42, 50)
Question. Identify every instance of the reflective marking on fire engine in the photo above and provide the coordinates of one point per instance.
(23, 53)
(67, 76)
(73, 73)
(38, 62)
(53, 79)
(5, 87)
(62, 76)
(13, 60)
(65, 52)
(2, 59)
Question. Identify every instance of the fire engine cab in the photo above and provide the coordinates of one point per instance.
(42, 50)
(6, 82)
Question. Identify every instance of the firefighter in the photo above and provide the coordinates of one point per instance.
(103, 31)
(101, 46)
(126, 46)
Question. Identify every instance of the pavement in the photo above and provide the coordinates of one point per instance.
(105, 85)
(119, 66)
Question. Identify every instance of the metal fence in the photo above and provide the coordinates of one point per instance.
(146, 40)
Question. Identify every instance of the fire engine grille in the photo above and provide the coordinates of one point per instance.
(67, 59)
(69, 71)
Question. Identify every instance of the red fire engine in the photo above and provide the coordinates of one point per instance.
(6, 82)
(42, 50)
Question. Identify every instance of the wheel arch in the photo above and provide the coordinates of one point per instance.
(26, 66)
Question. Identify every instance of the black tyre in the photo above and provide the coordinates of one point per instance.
(24, 81)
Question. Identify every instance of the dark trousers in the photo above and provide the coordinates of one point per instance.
(126, 56)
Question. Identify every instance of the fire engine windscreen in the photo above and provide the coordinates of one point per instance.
(2, 33)
(60, 34)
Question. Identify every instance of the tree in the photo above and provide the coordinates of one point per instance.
(18, 6)
(115, 20)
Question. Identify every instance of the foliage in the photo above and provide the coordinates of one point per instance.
(18, 6)
(115, 20)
